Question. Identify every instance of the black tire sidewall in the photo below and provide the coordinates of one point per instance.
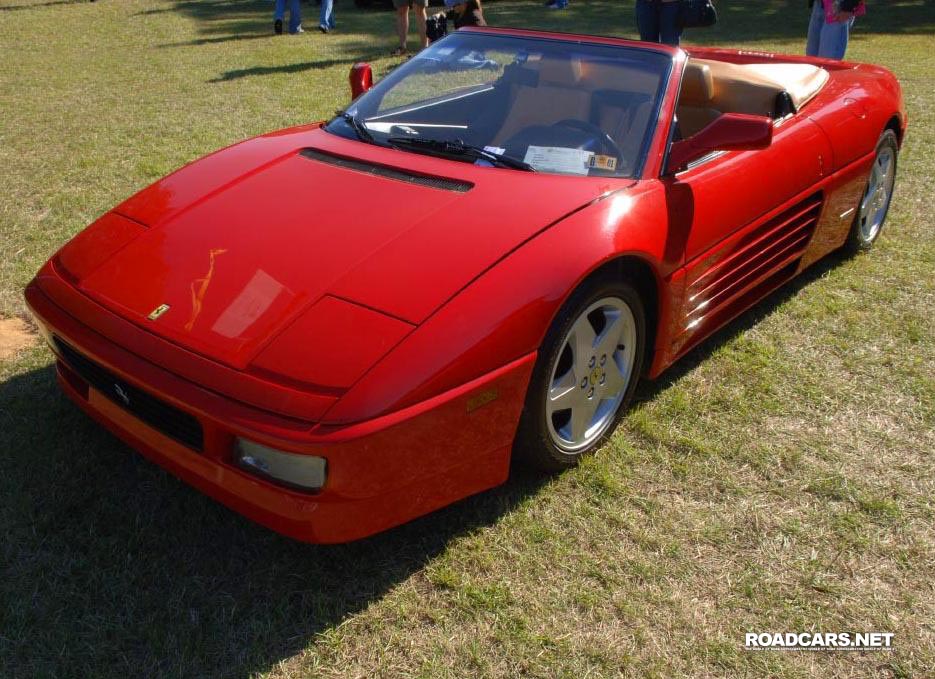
(534, 444)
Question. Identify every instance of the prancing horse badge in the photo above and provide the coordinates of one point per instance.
(158, 311)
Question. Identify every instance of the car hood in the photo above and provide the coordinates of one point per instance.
(240, 244)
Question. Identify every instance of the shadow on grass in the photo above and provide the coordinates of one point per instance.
(287, 68)
(648, 390)
(41, 5)
(113, 567)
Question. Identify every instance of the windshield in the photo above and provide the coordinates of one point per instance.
(551, 105)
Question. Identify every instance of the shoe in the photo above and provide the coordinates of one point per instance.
(323, 28)
(277, 27)
(400, 52)
(298, 30)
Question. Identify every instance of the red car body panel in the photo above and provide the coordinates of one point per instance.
(401, 350)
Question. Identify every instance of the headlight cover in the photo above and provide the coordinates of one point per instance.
(300, 472)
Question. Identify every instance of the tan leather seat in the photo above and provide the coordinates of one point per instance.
(696, 100)
(557, 96)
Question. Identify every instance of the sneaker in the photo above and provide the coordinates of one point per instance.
(298, 30)
(277, 27)
(323, 28)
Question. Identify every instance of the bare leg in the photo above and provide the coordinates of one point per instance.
(402, 26)
(420, 22)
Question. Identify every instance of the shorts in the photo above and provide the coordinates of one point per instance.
(399, 4)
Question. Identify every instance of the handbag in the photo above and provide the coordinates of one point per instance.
(696, 13)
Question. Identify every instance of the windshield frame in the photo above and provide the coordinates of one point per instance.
(572, 40)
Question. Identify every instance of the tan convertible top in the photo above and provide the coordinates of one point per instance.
(710, 88)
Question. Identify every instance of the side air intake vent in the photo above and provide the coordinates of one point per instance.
(389, 172)
(771, 247)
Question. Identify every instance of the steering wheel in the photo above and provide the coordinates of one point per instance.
(591, 128)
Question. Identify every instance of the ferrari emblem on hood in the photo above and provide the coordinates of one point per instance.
(158, 311)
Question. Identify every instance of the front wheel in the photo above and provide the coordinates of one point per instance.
(875, 204)
(587, 369)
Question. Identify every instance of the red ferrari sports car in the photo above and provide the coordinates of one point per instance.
(338, 327)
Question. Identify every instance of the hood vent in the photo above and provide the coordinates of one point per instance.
(389, 172)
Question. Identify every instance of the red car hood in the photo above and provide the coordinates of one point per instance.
(240, 243)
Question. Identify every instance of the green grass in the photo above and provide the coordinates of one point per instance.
(780, 477)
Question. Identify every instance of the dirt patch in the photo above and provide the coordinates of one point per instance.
(15, 335)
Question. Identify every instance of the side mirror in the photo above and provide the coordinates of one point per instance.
(361, 79)
(728, 132)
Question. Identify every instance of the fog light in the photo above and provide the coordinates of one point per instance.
(304, 472)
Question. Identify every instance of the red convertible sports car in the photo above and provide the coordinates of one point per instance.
(338, 327)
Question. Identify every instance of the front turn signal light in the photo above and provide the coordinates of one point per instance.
(301, 472)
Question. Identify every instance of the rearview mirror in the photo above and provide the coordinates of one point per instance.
(361, 79)
(728, 132)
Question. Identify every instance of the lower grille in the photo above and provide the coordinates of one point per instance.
(164, 418)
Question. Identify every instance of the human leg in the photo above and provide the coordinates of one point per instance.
(669, 30)
(815, 24)
(295, 16)
(421, 18)
(647, 20)
(402, 25)
(834, 39)
(279, 11)
(326, 15)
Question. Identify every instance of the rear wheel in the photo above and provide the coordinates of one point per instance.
(587, 369)
(875, 204)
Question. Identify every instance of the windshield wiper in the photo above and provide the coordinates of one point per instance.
(460, 149)
(359, 128)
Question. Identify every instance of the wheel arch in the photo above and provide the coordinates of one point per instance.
(640, 272)
(895, 124)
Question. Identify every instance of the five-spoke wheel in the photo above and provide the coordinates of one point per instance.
(873, 207)
(587, 369)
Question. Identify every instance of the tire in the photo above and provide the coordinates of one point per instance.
(593, 372)
(875, 203)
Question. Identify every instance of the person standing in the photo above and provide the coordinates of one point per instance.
(402, 23)
(658, 21)
(326, 16)
(295, 16)
(830, 26)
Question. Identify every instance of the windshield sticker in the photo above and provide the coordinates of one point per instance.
(558, 159)
(495, 149)
(603, 162)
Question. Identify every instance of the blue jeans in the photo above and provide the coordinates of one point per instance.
(824, 39)
(658, 21)
(295, 13)
(326, 17)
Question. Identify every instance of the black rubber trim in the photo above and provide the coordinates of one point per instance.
(430, 181)
(165, 418)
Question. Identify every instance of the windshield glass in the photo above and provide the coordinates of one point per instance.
(557, 106)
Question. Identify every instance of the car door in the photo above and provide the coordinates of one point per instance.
(746, 216)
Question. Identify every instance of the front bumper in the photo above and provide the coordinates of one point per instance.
(381, 472)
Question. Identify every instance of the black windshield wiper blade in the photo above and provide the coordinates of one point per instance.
(359, 128)
(459, 148)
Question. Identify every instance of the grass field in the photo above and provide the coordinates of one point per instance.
(779, 478)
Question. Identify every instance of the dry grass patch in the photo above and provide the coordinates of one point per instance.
(15, 336)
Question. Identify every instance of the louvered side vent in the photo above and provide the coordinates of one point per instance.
(767, 249)
(400, 175)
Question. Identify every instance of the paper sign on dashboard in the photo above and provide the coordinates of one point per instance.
(557, 159)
